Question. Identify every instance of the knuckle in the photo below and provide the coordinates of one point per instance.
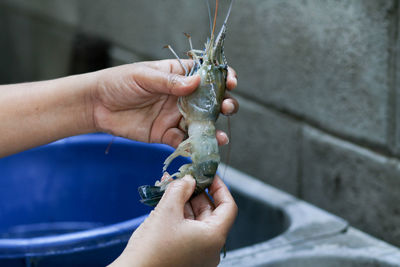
(177, 185)
(172, 81)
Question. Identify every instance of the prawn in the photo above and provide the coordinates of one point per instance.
(200, 111)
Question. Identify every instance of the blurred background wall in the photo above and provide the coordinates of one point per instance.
(318, 84)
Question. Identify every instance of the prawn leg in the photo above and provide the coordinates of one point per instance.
(183, 150)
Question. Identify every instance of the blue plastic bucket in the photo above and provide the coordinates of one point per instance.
(69, 203)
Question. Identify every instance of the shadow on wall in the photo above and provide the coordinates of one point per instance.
(89, 53)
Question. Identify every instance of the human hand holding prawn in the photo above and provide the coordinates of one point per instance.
(136, 101)
(139, 101)
(183, 232)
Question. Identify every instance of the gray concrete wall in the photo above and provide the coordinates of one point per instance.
(318, 83)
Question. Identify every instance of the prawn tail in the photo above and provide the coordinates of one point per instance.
(150, 194)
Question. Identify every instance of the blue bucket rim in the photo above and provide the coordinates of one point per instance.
(85, 239)
(71, 242)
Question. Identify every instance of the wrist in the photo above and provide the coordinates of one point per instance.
(80, 96)
(68, 106)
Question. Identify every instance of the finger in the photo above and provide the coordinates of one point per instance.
(222, 138)
(202, 206)
(188, 211)
(182, 125)
(173, 66)
(167, 119)
(173, 137)
(170, 65)
(166, 177)
(226, 208)
(177, 194)
(229, 105)
(156, 81)
(231, 79)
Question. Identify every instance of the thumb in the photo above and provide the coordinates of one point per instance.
(156, 81)
(179, 85)
(177, 194)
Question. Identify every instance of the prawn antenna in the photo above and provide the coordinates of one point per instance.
(215, 17)
(221, 35)
(180, 61)
(190, 40)
(109, 146)
(209, 15)
(229, 12)
(228, 151)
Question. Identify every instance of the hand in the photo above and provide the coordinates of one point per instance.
(180, 232)
(139, 101)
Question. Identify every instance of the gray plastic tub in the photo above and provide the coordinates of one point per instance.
(269, 218)
(274, 229)
(350, 249)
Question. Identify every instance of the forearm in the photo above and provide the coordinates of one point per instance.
(32, 114)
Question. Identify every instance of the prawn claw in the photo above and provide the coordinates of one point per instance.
(150, 194)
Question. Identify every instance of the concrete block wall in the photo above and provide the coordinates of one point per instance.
(318, 85)
(32, 50)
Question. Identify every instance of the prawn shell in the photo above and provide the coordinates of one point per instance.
(204, 104)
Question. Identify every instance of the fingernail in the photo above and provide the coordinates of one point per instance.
(233, 82)
(227, 140)
(189, 79)
(166, 176)
(230, 107)
(187, 178)
(224, 137)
